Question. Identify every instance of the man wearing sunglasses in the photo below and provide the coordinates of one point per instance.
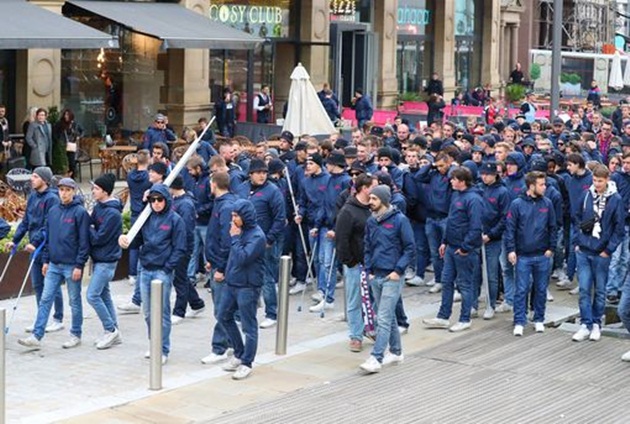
(157, 132)
(163, 241)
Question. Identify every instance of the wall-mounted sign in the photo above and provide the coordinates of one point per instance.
(343, 10)
(413, 17)
(264, 21)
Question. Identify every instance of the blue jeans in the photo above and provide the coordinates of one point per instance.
(423, 253)
(185, 290)
(618, 265)
(592, 272)
(193, 263)
(493, 253)
(571, 264)
(270, 279)
(243, 300)
(623, 310)
(145, 276)
(352, 286)
(99, 295)
(220, 341)
(558, 254)
(56, 274)
(531, 270)
(435, 229)
(458, 268)
(401, 316)
(37, 281)
(508, 276)
(325, 247)
(386, 294)
(293, 245)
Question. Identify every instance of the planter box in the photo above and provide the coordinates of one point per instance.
(10, 286)
(571, 89)
(122, 269)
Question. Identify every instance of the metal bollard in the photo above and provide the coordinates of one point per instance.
(283, 305)
(3, 319)
(155, 321)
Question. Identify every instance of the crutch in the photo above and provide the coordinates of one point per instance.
(6, 266)
(28, 272)
(322, 314)
(484, 277)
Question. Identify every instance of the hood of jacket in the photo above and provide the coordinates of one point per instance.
(521, 162)
(162, 190)
(611, 189)
(245, 209)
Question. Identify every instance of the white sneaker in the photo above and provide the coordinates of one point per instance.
(73, 342)
(596, 333)
(549, 296)
(318, 296)
(564, 283)
(232, 364)
(459, 326)
(415, 282)
(429, 268)
(457, 297)
(29, 329)
(575, 291)
(109, 339)
(402, 330)
(298, 288)
(437, 287)
(626, 357)
(242, 372)
(31, 342)
(504, 308)
(164, 359)
(176, 319)
(581, 334)
(129, 308)
(539, 327)
(214, 358)
(54, 326)
(555, 274)
(436, 323)
(371, 365)
(474, 313)
(323, 305)
(518, 330)
(193, 313)
(391, 359)
(131, 280)
(430, 283)
(268, 323)
(339, 284)
(488, 313)
(147, 354)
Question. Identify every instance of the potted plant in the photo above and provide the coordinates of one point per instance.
(122, 269)
(514, 93)
(534, 73)
(411, 101)
(16, 272)
(571, 84)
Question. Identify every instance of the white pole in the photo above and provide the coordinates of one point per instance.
(135, 228)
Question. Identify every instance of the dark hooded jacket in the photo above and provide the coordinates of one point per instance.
(246, 263)
(270, 208)
(138, 183)
(106, 227)
(68, 229)
(515, 184)
(218, 239)
(531, 226)
(350, 230)
(184, 206)
(463, 226)
(496, 202)
(34, 221)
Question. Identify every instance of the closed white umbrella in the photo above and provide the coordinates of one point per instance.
(305, 113)
(615, 81)
(626, 74)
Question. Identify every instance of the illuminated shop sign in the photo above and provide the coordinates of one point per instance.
(264, 21)
(412, 17)
(343, 10)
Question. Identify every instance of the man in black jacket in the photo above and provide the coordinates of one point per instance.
(349, 233)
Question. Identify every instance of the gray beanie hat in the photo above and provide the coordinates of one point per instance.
(44, 173)
(383, 192)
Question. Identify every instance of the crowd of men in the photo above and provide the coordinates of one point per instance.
(529, 201)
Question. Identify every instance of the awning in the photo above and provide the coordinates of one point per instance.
(28, 26)
(177, 26)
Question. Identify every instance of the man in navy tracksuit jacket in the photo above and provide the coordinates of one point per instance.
(389, 248)
(385, 160)
(619, 261)
(460, 250)
(514, 181)
(184, 206)
(271, 217)
(106, 227)
(578, 183)
(244, 278)
(203, 208)
(530, 238)
(162, 243)
(435, 178)
(39, 203)
(600, 228)
(64, 255)
(218, 244)
(496, 202)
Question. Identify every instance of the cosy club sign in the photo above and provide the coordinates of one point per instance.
(264, 21)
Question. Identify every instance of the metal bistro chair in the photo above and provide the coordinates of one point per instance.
(19, 179)
(84, 157)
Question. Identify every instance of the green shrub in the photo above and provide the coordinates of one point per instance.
(534, 71)
(607, 111)
(9, 238)
(126, 221)
(515, 92)
(410, 96)
(570, 78)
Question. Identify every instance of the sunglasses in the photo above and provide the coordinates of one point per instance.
(159, 122)
(355, 174)
(155, 199)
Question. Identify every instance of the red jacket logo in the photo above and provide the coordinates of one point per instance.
(543, 210)
(492, 199)
(321, 188)
(259, 194)
(388, 226)
(165, 227)
(68, 220)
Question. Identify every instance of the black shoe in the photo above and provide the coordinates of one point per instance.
(612, 299)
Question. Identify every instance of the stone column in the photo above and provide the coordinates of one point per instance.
(385, 20)
(514, 45)
(186, 92)
(315, 28)
(491, 33)
(503, 45)
(444, 45)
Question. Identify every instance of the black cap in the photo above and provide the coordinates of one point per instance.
(538, 165)
(526, 128)
(478, 149)
(287, 136)
(337, 158)
(301, 145)
(489, 168)
(341, 143)
(469, 138)
(316, 158)
(159, 168)
(528, 142)
(106, 182)
(357, 167)
(420, 141)
(558, 121)
(178, 183)
(275, 166)
(384, 152)
(350, 152)
(436, 145)
(258, 165)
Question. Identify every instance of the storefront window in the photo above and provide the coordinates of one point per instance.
(468, 36)
(7, 89)
(413, 57)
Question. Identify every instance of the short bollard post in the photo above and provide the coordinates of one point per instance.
(3, 322)
(155, 320)
(283, 305)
